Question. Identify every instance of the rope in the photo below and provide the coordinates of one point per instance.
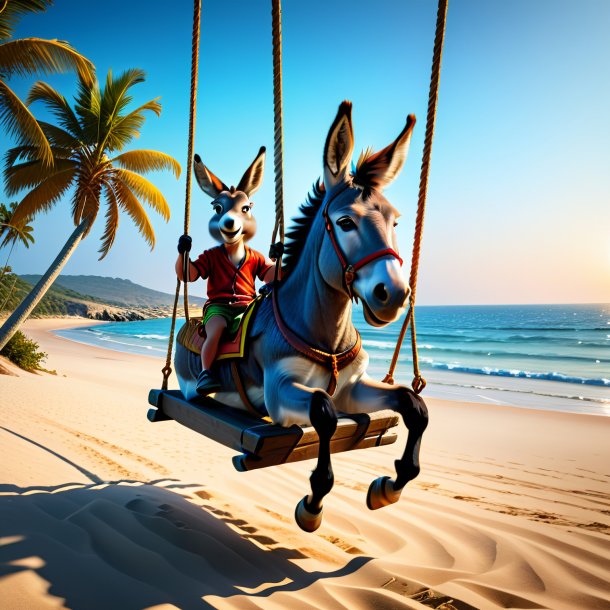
(167, 369)
(418, 381)
(278, 139)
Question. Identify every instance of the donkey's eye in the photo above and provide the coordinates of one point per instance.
(245, 209)
(395, 224)
(218, 208)
(346, 223)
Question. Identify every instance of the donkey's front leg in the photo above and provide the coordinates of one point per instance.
(289, 402)
(368, 396)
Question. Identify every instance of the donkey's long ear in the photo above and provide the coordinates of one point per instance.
(339, 146)
(378, 170)
(253, 178)
(209, 183)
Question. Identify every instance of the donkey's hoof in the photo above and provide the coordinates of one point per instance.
(306, 520)
(381, 493)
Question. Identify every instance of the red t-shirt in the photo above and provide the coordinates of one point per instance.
(226, 282)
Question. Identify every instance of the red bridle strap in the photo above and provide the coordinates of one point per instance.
(349, 270)
(379, 254)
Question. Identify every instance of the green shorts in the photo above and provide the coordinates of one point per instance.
(231, 313)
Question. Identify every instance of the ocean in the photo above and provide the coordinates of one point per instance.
(538, 356)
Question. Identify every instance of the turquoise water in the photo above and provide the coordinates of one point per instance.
(544, 356)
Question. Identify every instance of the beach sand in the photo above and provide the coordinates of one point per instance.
(101, 509)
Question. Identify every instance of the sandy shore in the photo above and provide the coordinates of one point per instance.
(101, 509)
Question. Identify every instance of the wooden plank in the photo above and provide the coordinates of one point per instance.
(222, 424)
(248, 461)
(268, 444)
(263, 439)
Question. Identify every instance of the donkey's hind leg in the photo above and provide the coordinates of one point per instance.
(368, 396)
(289, 402)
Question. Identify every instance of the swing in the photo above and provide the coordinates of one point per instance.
(261, 443)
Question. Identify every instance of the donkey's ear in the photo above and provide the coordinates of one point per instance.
(339, 146)
(209, 183)
(253, 178)
(378, 170)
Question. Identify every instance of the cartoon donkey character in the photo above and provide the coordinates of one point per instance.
(230, 268)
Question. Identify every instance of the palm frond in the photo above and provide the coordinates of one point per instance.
(144, 190)
(31, 153)
(86, 200)
(57, 104)
(114, 96)
(44, 196)
(112, 222)
(127, 127)
(19, 121)
(87, 108)
(130, 204)
(90, 209)
(14, 10)
(26, 56)
(25, 151)
(62, 142)
(143, 161)
(31, 173)
(115, 99)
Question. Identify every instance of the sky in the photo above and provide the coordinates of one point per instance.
(518, 207)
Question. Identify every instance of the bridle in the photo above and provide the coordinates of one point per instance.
(348, 269)
(332, 361)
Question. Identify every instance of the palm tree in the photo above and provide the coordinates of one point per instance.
(26, 56)
(12, 234)
(83, 145)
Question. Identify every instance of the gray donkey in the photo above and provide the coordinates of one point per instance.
(305, 363)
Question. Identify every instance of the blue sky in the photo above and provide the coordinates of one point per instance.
(519, 187)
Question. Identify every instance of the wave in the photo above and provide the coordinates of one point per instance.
(158, 337)
(462, 338)
(543, 328)
(516, 373)
(427, 347)
(510, 354)
(138, 345)
(516, 390)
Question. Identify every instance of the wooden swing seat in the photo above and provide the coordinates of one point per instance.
(263, 444)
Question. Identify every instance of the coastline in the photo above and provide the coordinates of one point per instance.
(445, 384)
(511, 508)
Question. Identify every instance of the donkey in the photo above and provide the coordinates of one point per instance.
(305, 361)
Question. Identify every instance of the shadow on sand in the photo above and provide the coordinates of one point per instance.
(134, 545)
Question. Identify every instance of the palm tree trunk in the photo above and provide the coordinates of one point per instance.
(20, 315)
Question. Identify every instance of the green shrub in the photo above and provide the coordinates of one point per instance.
(23, 352)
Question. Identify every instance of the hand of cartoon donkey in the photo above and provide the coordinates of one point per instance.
(184, 244)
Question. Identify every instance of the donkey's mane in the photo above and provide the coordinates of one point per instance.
(301, 225)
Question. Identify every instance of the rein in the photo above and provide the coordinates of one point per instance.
(348, 269)
(334, 362)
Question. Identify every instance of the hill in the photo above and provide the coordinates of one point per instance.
(114, 291)
(99, 298)
(58, 301)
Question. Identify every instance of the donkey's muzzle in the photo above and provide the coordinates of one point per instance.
(383, 290)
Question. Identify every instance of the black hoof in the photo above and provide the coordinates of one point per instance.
(382, 493)
(308, 521)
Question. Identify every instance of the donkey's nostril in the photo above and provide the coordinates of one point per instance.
(229, 222)
(381, 293)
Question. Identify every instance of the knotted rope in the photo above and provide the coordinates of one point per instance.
(277, 248)
(167, 369)
(419, 383)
